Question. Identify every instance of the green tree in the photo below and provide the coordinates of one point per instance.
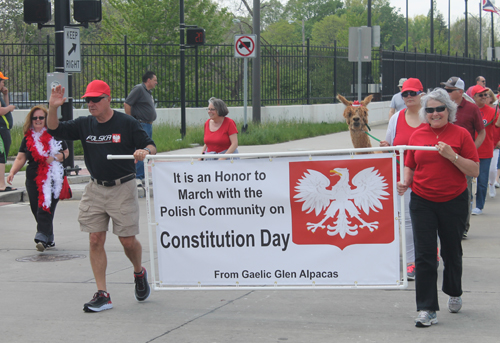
(392, 24)
(271, 12)
(157, 21)
(330, 29)
(282, 33)
(13, 29)
(458, 37)
(309, 12)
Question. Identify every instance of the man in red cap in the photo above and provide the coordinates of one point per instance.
(481, 81)
(485, 151)
(109, 194)
(6, 122)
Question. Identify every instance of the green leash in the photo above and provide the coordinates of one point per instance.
(496, 112)
(369, 129)
(378, 140)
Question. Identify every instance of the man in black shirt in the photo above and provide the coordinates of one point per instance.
(109, 195)
(140, 105)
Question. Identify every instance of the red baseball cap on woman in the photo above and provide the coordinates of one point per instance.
(412, 84)
(97, 88)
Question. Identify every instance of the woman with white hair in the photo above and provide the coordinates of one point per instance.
(439, 201)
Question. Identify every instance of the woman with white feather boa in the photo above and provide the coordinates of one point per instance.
(44, 174)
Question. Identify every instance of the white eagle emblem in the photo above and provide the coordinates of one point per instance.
(341, 199)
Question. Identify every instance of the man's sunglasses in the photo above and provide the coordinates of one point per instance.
(451, 90)
(38, 118)
(482, 95)
(412, 93)
(435, 109)
(94, 99)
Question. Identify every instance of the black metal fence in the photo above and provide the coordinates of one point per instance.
(432, 69)
(289, 74)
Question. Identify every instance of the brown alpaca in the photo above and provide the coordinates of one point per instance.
(356, 118)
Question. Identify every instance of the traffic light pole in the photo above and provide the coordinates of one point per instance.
(62, 19)
(85, 11)
(183, 70)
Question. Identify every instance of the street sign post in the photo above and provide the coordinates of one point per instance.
(57, 79)
(72, 56)
(244, 47)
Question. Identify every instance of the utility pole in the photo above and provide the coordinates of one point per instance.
(466, 50)
(256, 64)
(84, 11)
(62, 19)
(406, 25)
(183, 70)
(492, 39)
(432, 26)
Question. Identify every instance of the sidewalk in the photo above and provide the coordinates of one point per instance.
(43, 293)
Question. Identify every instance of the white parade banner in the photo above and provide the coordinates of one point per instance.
(330, 221)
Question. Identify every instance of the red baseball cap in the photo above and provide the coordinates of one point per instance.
(97, 88)
(412, 84)
(3, 77)
(477, 89)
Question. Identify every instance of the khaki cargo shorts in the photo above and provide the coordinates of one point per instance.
(118, 203)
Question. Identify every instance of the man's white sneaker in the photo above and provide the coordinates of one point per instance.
(493, 191)
(476, 211)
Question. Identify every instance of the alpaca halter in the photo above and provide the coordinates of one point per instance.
(49, 179)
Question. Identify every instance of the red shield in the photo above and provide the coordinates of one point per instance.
(383, 234)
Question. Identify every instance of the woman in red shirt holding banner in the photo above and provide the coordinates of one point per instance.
(439, 201)
(221, 134)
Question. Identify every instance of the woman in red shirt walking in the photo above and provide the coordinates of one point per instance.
(439, 201)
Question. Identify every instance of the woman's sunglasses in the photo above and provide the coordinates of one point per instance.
(38, 118)
(412, 93)
(435, 109)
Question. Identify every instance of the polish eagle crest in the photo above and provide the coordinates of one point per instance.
(342, 203)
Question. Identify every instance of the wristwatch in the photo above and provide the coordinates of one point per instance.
(147, 149)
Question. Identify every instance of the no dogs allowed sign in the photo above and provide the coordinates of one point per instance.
(244, 46)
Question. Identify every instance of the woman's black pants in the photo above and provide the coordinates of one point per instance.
(44, 219)
(430, 220)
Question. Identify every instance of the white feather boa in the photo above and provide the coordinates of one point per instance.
(53, 180)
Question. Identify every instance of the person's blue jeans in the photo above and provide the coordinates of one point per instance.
(139, 167)
(482, 182)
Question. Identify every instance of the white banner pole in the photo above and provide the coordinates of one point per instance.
(402, 223)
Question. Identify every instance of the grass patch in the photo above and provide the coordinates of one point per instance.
(168, 137)
(8, 167)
